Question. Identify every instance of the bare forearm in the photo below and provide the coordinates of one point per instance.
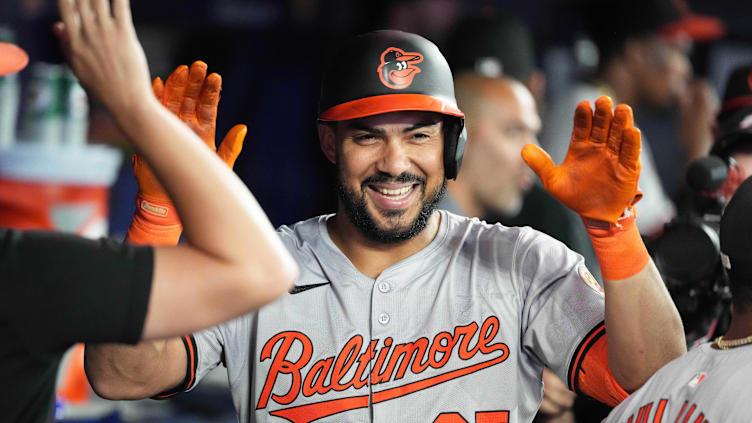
(220, 216)
(599, 181)
(120, 372)
(184, 290)
(218, 212)
(230, 241)
(644, 328)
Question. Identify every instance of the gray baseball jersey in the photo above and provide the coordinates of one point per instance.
(458, 332)
(704, 385)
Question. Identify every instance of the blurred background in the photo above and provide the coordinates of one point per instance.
(271, 54)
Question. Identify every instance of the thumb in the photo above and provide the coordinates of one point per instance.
(538, 160)
(158, 87)
(232, 144)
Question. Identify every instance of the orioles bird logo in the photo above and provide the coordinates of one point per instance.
(398, 68)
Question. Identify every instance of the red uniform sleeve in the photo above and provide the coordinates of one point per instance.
(589, 374)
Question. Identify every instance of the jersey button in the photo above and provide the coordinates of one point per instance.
(383, 318)
(384, 287)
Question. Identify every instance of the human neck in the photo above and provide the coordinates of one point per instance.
(741, 325)
(370, 257)
(461, 195)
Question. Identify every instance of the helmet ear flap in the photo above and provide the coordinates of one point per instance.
(455, 137)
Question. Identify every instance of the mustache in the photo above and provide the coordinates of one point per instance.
(403, 178)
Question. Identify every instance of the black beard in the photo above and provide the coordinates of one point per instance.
(357, 212)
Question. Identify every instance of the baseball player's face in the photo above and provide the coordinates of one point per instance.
(390, 172)
(493, 168)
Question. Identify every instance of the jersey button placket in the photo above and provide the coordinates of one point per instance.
(385, 315)
(383, 287)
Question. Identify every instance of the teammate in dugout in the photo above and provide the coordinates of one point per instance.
(407, 313)
(709, 383)
(59, 289)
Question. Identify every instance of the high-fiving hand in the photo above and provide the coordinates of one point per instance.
(194, 98)
(598, 178)
(102, 49)
(104, 53)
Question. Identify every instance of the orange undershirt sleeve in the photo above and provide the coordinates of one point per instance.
(589, 374)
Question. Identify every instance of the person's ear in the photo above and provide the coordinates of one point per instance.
(328, 141)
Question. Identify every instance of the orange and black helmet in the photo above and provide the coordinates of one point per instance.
(392, 71)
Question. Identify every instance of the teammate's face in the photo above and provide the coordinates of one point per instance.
(665, 69)
(493, 168)
(390, 172)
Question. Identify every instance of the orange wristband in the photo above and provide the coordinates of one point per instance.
(619, 247)
(154, 223)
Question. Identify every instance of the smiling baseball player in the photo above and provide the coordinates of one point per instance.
(406, 313)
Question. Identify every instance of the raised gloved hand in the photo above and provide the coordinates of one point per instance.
(194, 98)
(598, 178)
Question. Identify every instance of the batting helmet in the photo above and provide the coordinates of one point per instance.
(391, 71)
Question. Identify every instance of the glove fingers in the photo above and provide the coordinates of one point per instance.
(602, 119)
(621, 121)
(538, 160)
(174, 90)
(583, 121)
(158, 87)
(232, 144)
(629, 156)
(207, 107)
(196, 76)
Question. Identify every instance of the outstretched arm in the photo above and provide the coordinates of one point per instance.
(598, 180)
(233, 260)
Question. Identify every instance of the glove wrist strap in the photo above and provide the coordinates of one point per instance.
(619, 247)
(154, 223)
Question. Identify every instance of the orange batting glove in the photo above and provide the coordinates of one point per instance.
(598, 180)
(194, 98)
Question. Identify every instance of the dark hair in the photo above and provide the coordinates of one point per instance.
(503, 39)
(610, 31)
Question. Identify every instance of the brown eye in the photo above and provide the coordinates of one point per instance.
(363, 138)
